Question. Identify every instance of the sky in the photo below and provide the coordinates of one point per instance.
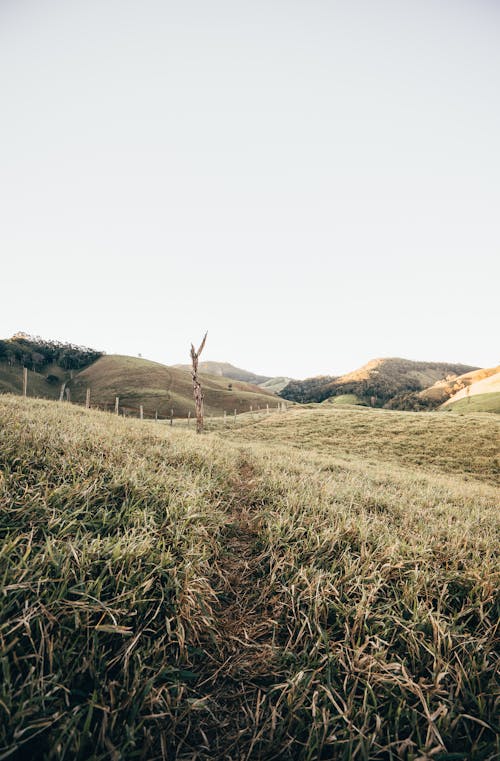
(314, 182)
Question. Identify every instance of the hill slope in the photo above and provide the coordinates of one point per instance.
(377, 382)
(139, 381)
(226, 370)
(488, 384)
(247, 595)
(444, 389)
(478, 403)
(481, 395)
(49, 364)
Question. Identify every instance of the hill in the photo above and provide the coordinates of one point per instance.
(54, 367)
(444, 389)
(378, 382)
(299, 587)
(479, 403)
(160, 388)
(226, 370)
(481, 395)
(276, 384)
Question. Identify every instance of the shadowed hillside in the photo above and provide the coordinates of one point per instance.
(48, 363)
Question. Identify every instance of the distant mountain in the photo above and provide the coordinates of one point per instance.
(226, 370)
(381, 382)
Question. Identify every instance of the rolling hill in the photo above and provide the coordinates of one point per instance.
(226, 370)
(158, 388)
(379, 382)
(483, 395)
(444, 389)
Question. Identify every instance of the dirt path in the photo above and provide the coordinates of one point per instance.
(234, 687)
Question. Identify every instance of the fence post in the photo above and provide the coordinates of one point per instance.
(141, 412)
(224, 417)
(189, 418)
(87, 399)
(235, 417)
(25, 381)
(156, 415)
(171, 417)
(267, 408)
(117, 405)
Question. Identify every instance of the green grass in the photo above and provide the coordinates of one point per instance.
(296, 586)
(11, 381)
(475, 403)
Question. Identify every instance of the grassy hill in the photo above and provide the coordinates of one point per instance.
(158, 387)
(380, 381)
(478, 403)
(135, 381)
(321, 583)
(444, 389)
(488, 384)
(276, 384)
(49, 364)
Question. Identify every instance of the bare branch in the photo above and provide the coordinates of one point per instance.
(202, 343)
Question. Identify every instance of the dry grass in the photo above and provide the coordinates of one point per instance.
(247, 595)
(464, 447)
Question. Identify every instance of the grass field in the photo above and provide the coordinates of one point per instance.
(315, 584)
(425, 441)
(477, 403)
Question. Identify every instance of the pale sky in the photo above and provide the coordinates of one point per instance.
(315, 182)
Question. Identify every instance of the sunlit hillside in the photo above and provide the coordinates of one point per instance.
(379, 382)
(444, 389)
(487, 385)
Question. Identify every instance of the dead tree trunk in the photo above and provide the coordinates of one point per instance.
(197, 392)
